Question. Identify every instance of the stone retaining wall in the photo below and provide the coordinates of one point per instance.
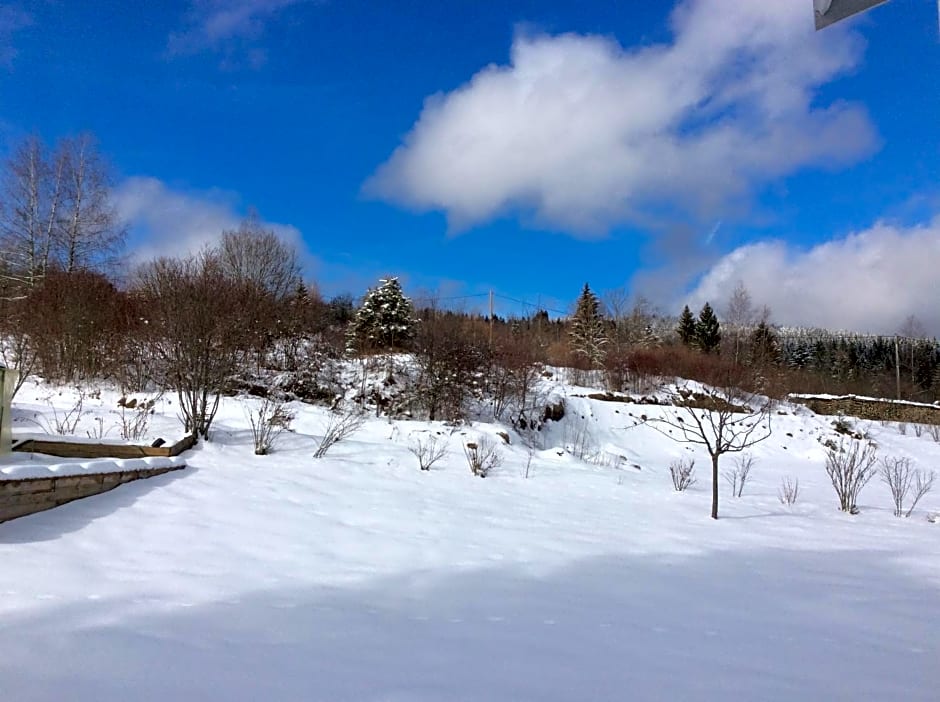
(870, 408)
(21, 497)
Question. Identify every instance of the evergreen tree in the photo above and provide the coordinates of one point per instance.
(386, 319)
(707, 330)
(686, 329)
(588, 328)
(763, 347)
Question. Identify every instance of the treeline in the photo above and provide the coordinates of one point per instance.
(239, 316)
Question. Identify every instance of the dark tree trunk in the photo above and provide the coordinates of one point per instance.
(715, 486)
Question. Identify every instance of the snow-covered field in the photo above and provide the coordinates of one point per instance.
(359, 577)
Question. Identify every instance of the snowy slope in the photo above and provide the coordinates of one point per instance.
(358, 577)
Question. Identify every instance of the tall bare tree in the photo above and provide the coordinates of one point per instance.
(90, 235)
(56, 212)
(255, 255)
(30, 211)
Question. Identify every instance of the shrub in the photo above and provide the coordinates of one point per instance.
(850, 469)
(789, 491)
(483, 456)
(341, 424)
(682, 474)
(902, 479)
(428, 451)
(737, 476)
(268, 422)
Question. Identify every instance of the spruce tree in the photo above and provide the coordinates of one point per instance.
(686, 328)
(764, 348)
(707, 330)
(385, 321)
(588, 328)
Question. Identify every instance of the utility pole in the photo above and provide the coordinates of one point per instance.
(491, 319)
(897, 365)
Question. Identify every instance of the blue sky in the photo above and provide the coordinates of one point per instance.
(528, 147)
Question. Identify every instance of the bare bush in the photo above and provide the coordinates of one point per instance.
(341, 424)
(850, 469)
(483, 456)
(918, 430)
(578, 438)
(65, 423)
(789, 491)
(428, 451)
(902, 428)
(98, 431)
(199, 323)
(737, 476)
(903, 480)
(268, 421)
(682, 474)
(134, 418)
(528, 465)
(934, 430)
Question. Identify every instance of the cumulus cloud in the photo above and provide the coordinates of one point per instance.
(213, 24)
(585, 134)
(167, 222)
(12, 19)
(869, 281)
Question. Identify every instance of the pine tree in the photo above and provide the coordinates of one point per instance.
(588, 328)
(386, 319)
(763, 346)
(707, 330)
(686, 328)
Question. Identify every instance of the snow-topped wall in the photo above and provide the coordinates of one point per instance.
(871, 408)
(36, 493)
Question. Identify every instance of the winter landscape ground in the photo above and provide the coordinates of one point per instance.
(360, 577)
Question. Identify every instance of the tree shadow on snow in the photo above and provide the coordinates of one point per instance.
(759, 625)
(72, 516)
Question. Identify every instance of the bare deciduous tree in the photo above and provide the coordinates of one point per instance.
(255, 255)
(56, 211)
(196, 331)
(722, 417)
(30, 211)
(90, 235)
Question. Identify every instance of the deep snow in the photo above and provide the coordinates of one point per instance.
(359, 577)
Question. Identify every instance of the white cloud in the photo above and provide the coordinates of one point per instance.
(12, 19)
(212, 24)
(585, 134)
(167, 222)
(868, 281)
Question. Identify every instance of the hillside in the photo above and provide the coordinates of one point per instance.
(359, 577)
